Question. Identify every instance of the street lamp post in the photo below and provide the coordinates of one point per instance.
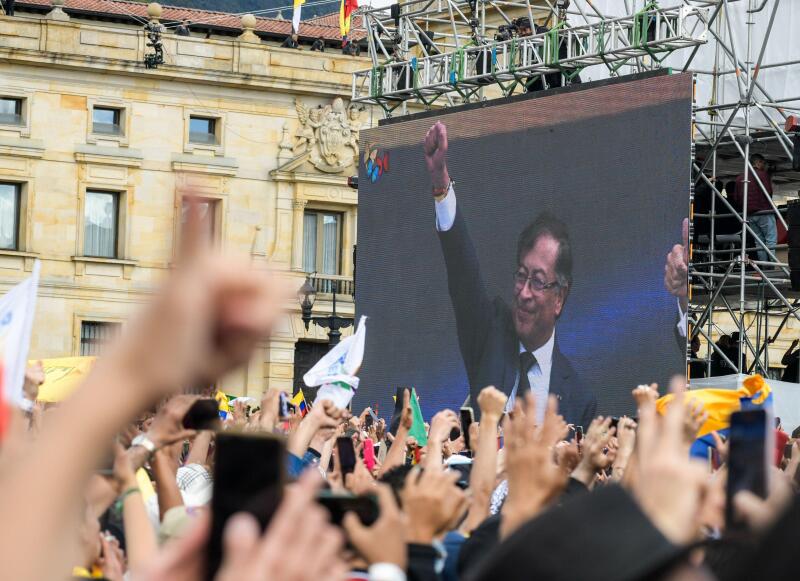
(333, 322)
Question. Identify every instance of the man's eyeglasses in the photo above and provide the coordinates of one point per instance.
(536, 282)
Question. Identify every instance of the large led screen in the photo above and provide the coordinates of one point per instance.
(536, 260)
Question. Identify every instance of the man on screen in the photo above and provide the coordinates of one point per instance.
(511, 347)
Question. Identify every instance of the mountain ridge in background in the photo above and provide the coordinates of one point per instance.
(246, 6)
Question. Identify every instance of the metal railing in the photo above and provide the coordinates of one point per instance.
(655, 33)
(328, 283)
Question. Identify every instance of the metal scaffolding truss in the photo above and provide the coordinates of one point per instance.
(453, 48)
(732, 288)
(446, 51)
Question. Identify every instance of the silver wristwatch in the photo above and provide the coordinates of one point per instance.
(145, 442)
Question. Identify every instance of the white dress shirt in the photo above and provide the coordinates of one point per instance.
(539, 373)
(682, 320)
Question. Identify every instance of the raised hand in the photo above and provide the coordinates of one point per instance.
(645, 394)
(693, 420)
(594, 445)
(435, 147)
(676, 269)
(360, 481)
(442, 424)
(167, 427)
(534, 479)
(492, 403)
(323, 416)
(626, 440)
(385, 540)
(206, 320)
(112, 563)
(668, 484)
(761, 513)
(432, 502)
(34, 377)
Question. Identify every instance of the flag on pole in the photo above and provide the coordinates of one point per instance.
(298, 6)
(417, 430)
(336, 371)
(346, 9)
(17, 309)
(299, 401)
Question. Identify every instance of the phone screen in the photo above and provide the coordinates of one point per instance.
(368, 421)
(347, 455)
(369, 454)
(242, 485)
(467, 417)
(203, 415)
(283, 405)
(578, 434)
(747, 457)
(398, 409)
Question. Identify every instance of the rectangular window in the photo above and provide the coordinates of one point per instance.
(9, 216)
(203, 130)
(106, 120)
(100, 224)
(10, 111)
(322, 242)
(96, 335)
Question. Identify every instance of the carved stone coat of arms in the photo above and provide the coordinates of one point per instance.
(329, 134)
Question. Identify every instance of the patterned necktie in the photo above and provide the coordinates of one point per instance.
(526, 361)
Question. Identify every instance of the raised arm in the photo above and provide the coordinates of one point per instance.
(473, 309)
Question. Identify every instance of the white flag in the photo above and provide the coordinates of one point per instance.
(17, 309)
(298, 7)
(336, 371)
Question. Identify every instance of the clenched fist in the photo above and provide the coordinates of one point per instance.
(435, 147)
(492, 403)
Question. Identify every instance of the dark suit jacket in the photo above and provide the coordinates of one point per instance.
(487, 337)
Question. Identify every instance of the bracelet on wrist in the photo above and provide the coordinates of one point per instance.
(126, 494)
(440, 194)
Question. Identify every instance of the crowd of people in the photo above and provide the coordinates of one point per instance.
(524, 499)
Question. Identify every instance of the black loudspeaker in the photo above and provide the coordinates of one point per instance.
(395, 12)
(793, 222)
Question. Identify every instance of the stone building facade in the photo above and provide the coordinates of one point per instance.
(96, 152)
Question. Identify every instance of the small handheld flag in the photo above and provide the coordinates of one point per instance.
(299, 401)
(17, 309)
(336, 372)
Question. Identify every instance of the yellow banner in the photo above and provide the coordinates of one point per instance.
(62, 376)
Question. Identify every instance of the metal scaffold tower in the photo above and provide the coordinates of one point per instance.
(431, 53)
(427, 49)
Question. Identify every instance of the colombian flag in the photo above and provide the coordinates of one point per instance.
(299, 400)
(719, 404)
(346, 8)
